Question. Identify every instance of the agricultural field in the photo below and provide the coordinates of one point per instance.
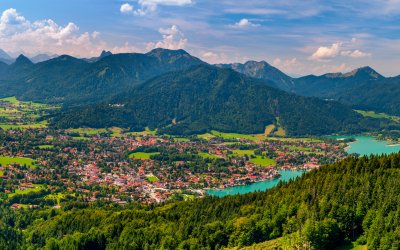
(142, 155)
(6, 160)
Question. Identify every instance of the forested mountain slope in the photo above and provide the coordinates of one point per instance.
(69, 80)
(206, 97)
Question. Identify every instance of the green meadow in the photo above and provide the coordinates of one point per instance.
(152, 178)
(142, 155)
(372, 114)
(6, 160)
(209, 156)
(46, 147)
(258, 159)
(37, 188)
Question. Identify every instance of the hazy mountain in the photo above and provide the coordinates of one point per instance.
(328, 85)
(4, 57)
(206, 97)
(263, 70)
(42, 57)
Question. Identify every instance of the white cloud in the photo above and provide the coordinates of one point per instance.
(46, 36)
(149, 6)
(173, 39)
(338, 49)
(166, 2)
(359, 54)
(244, 23)
(126, 8)
(326, 53)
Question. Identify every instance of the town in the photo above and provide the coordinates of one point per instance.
(44, 166)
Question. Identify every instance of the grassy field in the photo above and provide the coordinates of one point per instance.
(1, 173)
(281, 132)
(42, 124)
(81, 138)
(298, 148)
(181, 139)
(37, 188)
(242, 152)
(6, 160)
(142, 155)
(23, 115)
(259, 160)
(152, 178)
(269, 129)
(372, 114)
(87, 131)
(236, 136)
(206, 136)
(209, 156)
(56, 196)
(46, 147)
(147, 131)
(263, 162)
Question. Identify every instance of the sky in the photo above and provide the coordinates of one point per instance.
(298, 37)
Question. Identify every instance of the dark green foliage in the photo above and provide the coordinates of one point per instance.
(380, 97)
(357, 198)
(205, 98)
(328, 85)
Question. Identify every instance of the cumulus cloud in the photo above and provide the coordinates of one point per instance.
(46, 36)
(244, 23)
(149, 6)
(356, 54)
(326, 53)
(126, 8)
(338, 49)
(173, 39)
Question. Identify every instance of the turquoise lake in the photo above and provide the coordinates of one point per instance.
(364, 145)
(258, 186)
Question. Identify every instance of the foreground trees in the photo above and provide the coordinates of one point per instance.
(357, 199)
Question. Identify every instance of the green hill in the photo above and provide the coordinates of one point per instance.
(206, 98)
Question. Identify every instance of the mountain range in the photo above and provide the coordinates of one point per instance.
(178, 93)
(362, 88)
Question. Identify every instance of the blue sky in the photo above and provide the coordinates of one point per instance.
(299, 37)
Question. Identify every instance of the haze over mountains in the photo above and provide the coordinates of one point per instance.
(178, 93)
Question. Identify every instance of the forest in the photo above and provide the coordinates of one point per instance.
(354, 200)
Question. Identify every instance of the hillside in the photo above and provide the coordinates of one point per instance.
(206, 98)
(69, 80)
(356, 199)
(328, 85)
(382, 97)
